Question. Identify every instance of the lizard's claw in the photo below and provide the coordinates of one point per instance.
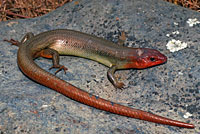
(60, 67)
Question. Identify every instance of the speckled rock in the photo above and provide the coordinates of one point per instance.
(171, 90)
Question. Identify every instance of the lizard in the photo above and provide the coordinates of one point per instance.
(51, 44)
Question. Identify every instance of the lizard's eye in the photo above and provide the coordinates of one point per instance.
(152, 59)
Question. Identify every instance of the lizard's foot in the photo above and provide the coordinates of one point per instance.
(119, 85)
(13, 42)
(60, 67)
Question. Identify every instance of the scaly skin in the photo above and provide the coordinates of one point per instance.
(67, 42)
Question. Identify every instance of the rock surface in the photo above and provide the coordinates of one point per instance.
(171, 90)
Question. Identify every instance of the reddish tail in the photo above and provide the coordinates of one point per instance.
(105, 105)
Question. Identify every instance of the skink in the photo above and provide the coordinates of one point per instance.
(53, 43)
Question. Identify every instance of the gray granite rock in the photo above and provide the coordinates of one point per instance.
(171, 90)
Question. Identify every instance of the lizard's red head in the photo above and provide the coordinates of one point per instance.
(145, 57)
